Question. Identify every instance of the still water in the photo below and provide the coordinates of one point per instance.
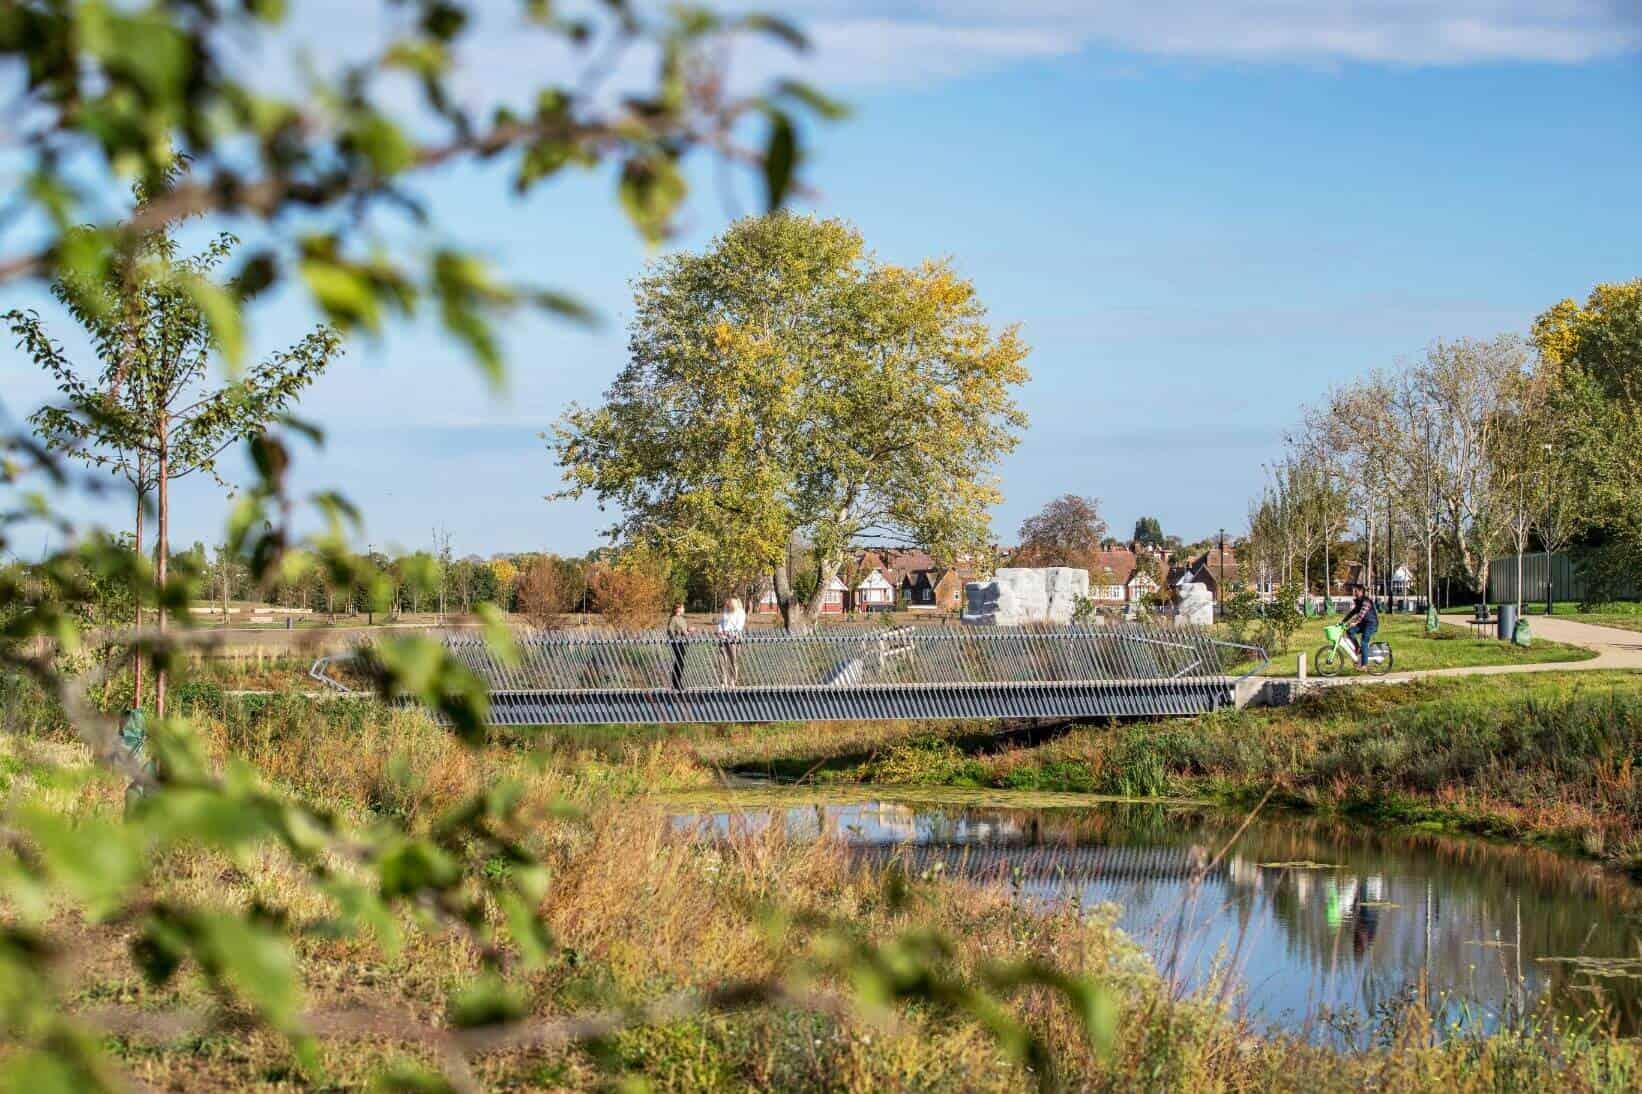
(1324, 928)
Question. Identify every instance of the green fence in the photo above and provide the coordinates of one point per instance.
(1567, 584)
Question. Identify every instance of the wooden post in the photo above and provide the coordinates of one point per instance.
(1302, 664)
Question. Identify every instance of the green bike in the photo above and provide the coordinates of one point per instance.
(1341, 651)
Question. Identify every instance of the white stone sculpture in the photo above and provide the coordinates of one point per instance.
(1196, 604)
(1018, 595)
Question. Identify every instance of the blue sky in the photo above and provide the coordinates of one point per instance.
(1201, 213)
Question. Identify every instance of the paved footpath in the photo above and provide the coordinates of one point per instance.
(1616, 648)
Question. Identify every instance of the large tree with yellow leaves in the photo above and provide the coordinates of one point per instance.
(1592, 353)
(785, 387)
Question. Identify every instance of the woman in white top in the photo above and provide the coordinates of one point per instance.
(732, 624)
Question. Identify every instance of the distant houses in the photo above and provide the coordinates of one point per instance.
(1117, 578)
(909, 579)
(887, 579)
(1212, 569)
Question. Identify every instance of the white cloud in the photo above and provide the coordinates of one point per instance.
(864, 44)
(934, 38)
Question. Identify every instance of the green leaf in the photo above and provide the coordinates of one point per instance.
(780, 160)
(824, 106)
(529, 933)
(380, 141)
(41, 1072)
(776, 27)
(488, 1001)
(403, 1077)
(345, 294)
(498, 634)
(413, 866)
(419, 55)
(360, 906)
(269, 11)
(97, 861)
(159, 951)
(651, 189)
(255, 962)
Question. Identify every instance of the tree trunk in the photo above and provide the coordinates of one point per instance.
(163, 482)
(812, 611)
(1328, 573)
(1431, 575)
(1520, 546)
(137, 664)
(781, 578)
(1368, 556)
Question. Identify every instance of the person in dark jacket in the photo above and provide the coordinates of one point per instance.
(1362, 621)
(678, 634)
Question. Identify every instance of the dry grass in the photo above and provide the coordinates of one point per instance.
(638, 910)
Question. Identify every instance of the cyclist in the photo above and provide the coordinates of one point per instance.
(1362, 621)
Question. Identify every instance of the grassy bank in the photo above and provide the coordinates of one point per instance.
(1548, 758)
(637, 913)
(1450, 647)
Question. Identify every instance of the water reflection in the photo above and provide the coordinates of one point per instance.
(1324, 927)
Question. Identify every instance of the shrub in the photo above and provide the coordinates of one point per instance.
(1608, 573)
(628, 596)
(1239, 611)
(542, 595)
(1280, 620)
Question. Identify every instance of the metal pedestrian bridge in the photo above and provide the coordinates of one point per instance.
(601, 677)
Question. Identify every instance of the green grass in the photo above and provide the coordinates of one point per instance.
(1414, 650)
(1624, 614)
(1546, 758)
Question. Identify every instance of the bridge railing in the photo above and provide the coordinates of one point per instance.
(599, 660)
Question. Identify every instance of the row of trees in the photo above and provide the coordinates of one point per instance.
(1478, 449)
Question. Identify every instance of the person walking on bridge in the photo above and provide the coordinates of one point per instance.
(732, 624)
(678, 636)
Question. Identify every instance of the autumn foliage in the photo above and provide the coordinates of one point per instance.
(629, 596)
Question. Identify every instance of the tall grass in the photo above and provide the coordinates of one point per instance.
(638, 909)
(1554, 760)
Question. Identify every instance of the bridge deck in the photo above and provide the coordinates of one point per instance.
(854, 674)
(868, 702)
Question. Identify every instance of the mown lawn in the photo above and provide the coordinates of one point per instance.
(1624, 614)
(1414, 650)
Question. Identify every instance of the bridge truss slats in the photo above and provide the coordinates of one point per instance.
(591, 677)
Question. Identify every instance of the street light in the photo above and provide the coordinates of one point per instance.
(1220, 585)
(1550, 499)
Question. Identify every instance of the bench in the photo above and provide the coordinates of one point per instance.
(1481, 622)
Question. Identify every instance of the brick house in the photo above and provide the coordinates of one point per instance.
(1116, 577)
(1207, 569)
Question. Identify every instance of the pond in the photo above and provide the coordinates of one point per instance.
(1325, 927)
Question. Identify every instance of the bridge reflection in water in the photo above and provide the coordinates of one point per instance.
(1315, 926)
(581, 677)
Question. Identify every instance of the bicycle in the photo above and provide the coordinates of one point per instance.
(1341, 650)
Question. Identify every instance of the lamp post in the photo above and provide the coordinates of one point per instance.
(1220, 583)
(1544, 542)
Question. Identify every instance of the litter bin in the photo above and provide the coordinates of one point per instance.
(1507, 622)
